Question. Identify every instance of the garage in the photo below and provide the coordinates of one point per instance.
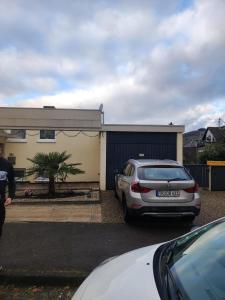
(152, 143)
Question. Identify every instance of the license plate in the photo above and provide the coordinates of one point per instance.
(168, 193)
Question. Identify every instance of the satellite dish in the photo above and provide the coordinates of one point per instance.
(101, 107)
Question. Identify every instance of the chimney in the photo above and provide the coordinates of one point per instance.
(49, 107)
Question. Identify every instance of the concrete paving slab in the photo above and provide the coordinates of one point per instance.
(53, 213)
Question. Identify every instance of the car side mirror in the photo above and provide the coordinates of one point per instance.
(117, 171)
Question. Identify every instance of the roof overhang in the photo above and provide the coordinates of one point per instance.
(143, 128)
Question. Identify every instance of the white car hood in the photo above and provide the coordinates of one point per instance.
(126, 277)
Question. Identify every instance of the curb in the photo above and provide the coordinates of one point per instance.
(28, 277)
(47, 202)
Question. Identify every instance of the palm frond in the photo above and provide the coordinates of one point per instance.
(53, 165)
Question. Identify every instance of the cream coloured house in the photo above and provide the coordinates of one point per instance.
(100, 148)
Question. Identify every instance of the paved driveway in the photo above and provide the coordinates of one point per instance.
(213, 207)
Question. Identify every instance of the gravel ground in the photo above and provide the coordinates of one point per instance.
(12, 292)
(213, 207)
(111, 208)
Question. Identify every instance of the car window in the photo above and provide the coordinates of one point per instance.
(131, 171)
(198, 263)
(126, 169)
(162, 173)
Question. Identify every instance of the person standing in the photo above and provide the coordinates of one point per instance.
(6, 178)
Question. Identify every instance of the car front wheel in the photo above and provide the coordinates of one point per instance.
(126, 214)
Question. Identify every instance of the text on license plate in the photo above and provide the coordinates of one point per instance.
(167, 193)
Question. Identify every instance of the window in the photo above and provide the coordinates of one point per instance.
(126, 170)
(19, 134)
(131, 171)
(19, 174)
(47, 134)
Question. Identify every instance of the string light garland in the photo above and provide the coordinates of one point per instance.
(83, 132)
(66, 134)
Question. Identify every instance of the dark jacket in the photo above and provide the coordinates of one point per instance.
(6, 177)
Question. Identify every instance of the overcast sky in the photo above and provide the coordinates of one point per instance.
(147, 61)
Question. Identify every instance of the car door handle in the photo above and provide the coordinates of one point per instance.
(124, 179)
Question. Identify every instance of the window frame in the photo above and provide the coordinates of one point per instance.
(17, 139)
(46, 140)
(18, 178)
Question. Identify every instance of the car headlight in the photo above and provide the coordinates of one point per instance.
(107, 260)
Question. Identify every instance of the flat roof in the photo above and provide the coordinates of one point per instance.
(49, 118)
(143, 128)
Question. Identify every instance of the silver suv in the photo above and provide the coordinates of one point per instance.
(161, 188)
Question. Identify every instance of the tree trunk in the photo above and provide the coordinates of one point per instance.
(51, 186)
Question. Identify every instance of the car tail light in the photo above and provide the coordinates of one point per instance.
(193, 189)
(136, 205)
(136, 188)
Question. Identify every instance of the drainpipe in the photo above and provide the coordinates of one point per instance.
(210, 178)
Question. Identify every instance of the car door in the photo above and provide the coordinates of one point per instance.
(125, 179)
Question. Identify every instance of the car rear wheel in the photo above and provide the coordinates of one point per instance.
(126, 214)
(189, 218)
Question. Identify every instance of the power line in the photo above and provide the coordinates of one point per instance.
(220, 120)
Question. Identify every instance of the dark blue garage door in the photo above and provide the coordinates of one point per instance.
(122, 146)
(218, 178)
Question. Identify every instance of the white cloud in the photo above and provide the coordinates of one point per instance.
(148, 62)
(198, 28)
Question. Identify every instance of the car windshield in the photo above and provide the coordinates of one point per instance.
(167, 173)
(196, 264)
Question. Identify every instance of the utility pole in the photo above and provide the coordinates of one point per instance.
(220, 122)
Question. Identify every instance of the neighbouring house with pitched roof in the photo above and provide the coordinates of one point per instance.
(192, 140)
(214, 135)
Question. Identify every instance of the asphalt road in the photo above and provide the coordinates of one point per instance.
(57, 247)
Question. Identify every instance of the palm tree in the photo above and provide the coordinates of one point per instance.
(53, 166)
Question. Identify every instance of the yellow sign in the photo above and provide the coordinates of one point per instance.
(215, 163)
